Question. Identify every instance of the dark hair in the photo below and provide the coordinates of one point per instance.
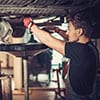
(82, 20)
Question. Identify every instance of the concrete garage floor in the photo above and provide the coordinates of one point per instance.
(37, 95)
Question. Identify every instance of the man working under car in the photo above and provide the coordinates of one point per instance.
(79, 49)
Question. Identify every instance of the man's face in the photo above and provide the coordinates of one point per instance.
(72, 33)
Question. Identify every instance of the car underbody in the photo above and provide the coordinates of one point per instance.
(14, 10)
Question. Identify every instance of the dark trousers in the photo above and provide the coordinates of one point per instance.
(71, 95)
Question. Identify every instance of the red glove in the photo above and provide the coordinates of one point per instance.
(28, 22)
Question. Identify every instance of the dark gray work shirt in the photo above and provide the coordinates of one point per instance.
(82, 70)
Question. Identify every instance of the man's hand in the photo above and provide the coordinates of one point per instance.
(51, 28)
(28, 22)
(57, 30)
(54, 29)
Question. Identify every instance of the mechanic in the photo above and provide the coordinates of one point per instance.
(79, 49)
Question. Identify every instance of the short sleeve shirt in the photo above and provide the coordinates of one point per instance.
(82, 70)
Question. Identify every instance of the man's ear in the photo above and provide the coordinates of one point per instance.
(80, 31)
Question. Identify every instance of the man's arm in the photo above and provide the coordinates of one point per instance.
(45, 37)
(57, 30)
